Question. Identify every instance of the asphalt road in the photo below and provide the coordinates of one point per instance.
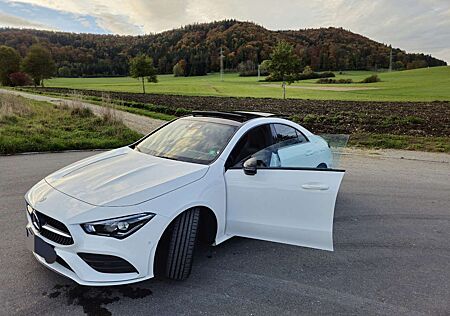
(392, 254)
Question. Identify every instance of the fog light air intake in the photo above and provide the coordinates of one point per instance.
(107, 263)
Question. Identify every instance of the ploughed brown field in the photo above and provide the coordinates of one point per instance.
(321, 116)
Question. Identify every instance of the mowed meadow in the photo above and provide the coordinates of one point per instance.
(426, 84)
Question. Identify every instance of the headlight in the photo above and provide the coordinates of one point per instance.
(120, 227)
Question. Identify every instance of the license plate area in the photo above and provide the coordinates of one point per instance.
(40, 247)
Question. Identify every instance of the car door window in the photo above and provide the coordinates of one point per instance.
(257, 142)
(287, 135)
(279, 146)
(291, 148)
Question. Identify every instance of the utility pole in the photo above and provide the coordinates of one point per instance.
(221, 64)
(390, 59)
(259, 71)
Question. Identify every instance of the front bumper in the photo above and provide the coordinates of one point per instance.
(138, 250)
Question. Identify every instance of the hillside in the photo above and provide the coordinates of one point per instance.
(199, 44)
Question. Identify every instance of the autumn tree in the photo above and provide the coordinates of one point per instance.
(284, 64)
(141, 67)
(179, 70)
(265, 65)
(9, 63)
(39, 64)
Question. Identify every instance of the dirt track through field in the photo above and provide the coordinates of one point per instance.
(322, 88)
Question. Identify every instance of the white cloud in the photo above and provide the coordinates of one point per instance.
(420, 25)
(13, 21)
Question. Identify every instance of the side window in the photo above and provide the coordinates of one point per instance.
(279, 146)
(255, 141)
(287, 135)
(292, 149)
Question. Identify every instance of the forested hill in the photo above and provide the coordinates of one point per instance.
(199, 45)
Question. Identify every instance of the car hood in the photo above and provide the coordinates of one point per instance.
(123, 177)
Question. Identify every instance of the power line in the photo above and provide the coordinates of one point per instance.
(390, 59)
(221, 64)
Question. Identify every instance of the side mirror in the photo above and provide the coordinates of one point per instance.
(250, 166)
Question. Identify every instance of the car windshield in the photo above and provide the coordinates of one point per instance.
(189, 140)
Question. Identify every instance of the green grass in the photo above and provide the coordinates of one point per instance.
(388, 141)
(427, 84)
(32, 126)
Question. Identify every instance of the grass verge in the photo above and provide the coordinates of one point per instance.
(389, 141)
(34, 126)
(131, 107)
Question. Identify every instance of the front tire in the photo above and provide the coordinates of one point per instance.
(182, 244)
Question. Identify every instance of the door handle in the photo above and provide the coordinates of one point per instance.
(315, 186)
(309, 152)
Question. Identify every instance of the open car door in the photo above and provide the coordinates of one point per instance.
(287, 205)
(278, 188)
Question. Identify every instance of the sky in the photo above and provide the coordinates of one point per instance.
(413, 25)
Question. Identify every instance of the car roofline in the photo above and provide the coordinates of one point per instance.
(239, 116)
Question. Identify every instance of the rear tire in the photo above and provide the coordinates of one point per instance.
(182, 244)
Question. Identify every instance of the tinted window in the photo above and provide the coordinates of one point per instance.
(188, 140)
(254, 141)
(276, 146)
(287, 135)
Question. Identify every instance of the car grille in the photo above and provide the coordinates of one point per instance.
(107, 263)
(52, 229)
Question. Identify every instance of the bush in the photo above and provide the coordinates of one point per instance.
(81, 111)
(179, 70)
(307, 71)
(303, 76)
(247, 69)
(329, 80)
(371, 79)
(325, 81)
(253, 73)
(19, 79)
(315, 75)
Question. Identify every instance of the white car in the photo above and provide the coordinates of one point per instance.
(123, 215)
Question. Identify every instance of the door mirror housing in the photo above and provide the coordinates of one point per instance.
(250, 166)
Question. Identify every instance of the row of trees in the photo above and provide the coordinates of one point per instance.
(37, 65)
(198, 45)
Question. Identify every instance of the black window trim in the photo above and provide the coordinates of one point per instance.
(295, 129)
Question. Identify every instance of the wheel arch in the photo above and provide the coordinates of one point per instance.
(208, 229)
